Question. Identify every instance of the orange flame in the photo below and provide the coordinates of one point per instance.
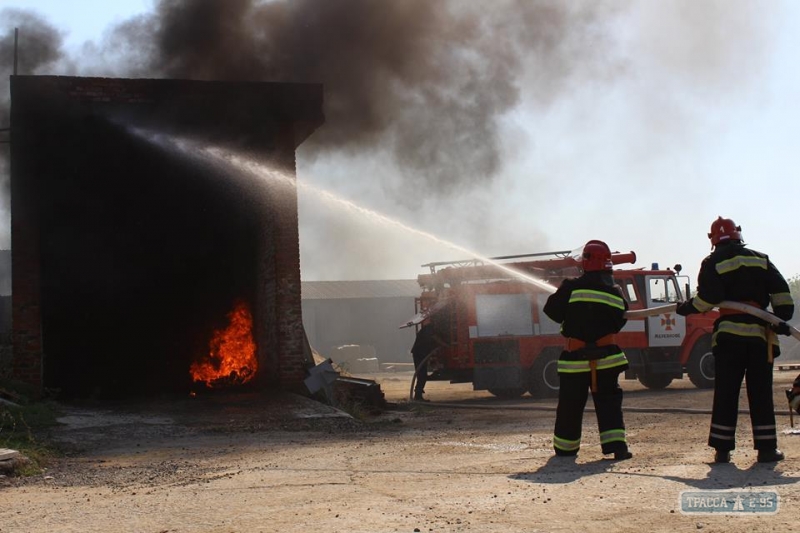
(231, 359)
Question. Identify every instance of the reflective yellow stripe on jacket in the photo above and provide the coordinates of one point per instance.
(781, 298)
(743, 330)
(574, 367)
(597, 297)
(739, 261)
(702, 305)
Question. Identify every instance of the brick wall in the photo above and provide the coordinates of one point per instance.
(281, 354)
(26, 332)
(26, 337)
(292, 370)
(217, 109)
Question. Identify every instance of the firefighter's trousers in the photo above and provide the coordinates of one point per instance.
(572, 396)
(422, 373)
(734, 360)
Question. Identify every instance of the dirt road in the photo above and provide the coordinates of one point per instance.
(465, 462)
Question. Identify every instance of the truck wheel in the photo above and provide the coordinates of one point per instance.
(544, 376)
(655, 381)
(508, 394)
(700, 366)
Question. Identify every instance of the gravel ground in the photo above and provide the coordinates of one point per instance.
(242, 462)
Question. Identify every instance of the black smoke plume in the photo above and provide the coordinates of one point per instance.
(426, 81)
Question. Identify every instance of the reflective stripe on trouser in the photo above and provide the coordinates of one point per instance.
(765, 433)
(612, 435)
(566, 445)
(732, 361)
(723, 434)
(572, 396)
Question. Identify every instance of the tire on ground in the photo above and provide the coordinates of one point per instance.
(700, 365)
(544, 375)
(509, 393)
(655, 381)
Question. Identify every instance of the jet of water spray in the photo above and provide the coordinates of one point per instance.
(262, 171)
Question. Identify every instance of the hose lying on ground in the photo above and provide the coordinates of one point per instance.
(589, 409)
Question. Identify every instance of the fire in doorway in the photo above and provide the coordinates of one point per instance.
(231, 358)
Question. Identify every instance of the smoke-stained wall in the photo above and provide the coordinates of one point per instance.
(129, 252)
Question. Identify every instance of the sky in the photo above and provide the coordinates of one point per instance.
(638, 129)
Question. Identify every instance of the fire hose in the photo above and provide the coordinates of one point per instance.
(739, 306)
(660, 310)
(416, 373)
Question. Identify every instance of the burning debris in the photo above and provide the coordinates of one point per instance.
(231, 359)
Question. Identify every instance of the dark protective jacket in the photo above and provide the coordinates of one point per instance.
(736, 273)
(425, 342)
(589, 308)
(588, 315)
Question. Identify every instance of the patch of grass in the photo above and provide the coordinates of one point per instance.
(411, 406)
(354, 408)
(22, 429)
(418, 408)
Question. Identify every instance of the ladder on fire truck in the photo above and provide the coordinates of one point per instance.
(482, 261)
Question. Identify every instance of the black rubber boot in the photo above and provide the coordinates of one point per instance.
(770, 456)
(622, 455)
(722, 456)
(562, 453)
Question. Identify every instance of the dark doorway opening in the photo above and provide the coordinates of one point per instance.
(144, 251)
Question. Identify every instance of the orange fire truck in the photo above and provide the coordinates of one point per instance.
(489, 313)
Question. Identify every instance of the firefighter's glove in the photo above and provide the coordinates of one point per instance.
(781, 329)
(685, 308)
(793, 395)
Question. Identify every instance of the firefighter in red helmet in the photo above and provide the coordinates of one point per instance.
(743, 345)
(591, 310)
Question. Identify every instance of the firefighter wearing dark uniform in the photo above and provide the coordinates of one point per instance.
(591, 311)
(426, 343)
(742, 344)
(793, 395)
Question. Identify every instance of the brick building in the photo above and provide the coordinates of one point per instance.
(128, 252)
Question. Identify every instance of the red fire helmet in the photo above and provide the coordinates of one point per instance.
(724, 229)
(596, 257)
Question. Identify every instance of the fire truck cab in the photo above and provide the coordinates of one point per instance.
(489, 313)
